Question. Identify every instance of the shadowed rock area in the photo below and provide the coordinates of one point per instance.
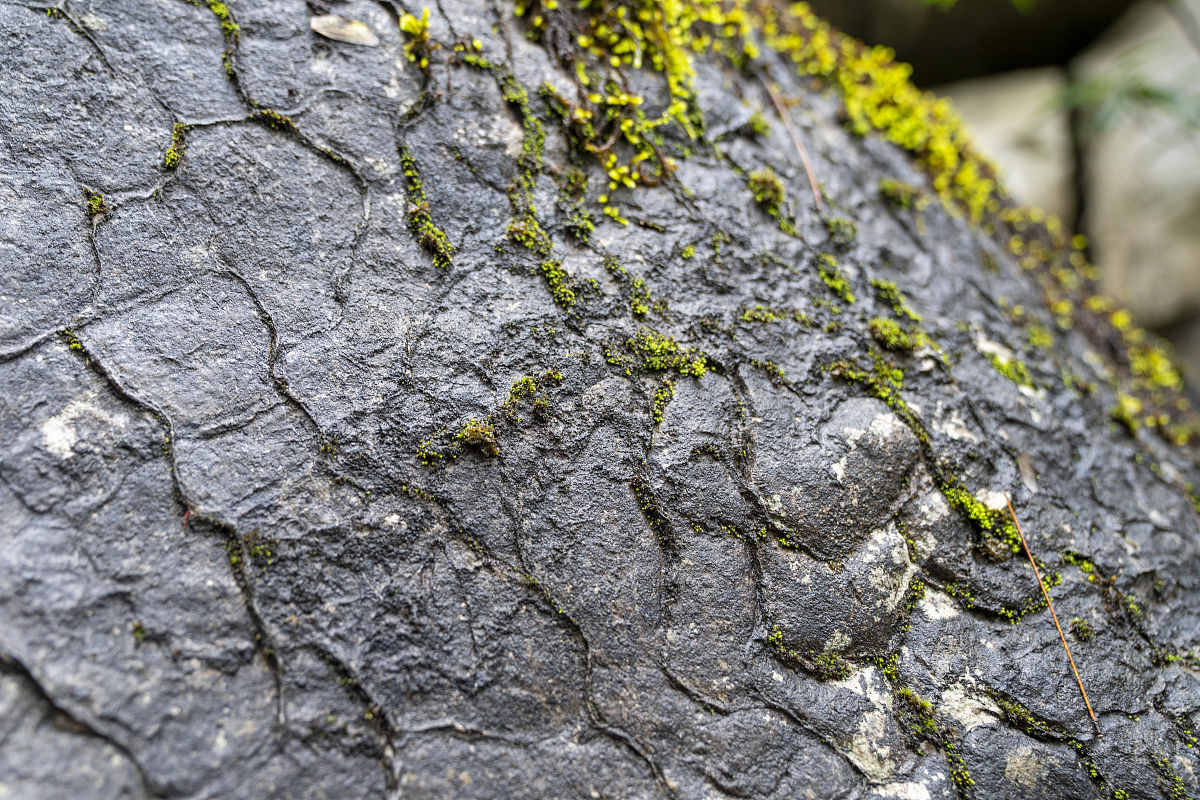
(317, 479)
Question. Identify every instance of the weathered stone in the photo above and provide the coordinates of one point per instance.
(247, 548)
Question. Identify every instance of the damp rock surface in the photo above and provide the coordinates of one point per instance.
(299, 499)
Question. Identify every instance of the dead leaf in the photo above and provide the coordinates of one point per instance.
(340, 29)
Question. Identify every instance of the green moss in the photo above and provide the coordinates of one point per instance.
(480, 434)
(572, 191)
(417, 46)
(825, 666)
(420, 221)
(274, 120)
(1082, 629)
(827, 267)
(889, 334)
(662, 397)
(689, 251)
(902, 195)
(770, 195)
(758, 125)
(650, 351)
(1013, 369)
(842, 232)
(96, 205)
(995, 526)
(887, 292)
(760, 313)
(72, 340)
(229, 28)
(1169, 782)
(530, 386)
(558, 279)
(178, 144)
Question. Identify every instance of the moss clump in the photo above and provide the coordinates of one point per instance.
(760, 313)
(995, 526)
(480, 434)
(417, 48)
(889, 334)
(274, 120)
(768, 191)
(420, 221)
(758, 125)
(827, 267)
(842, 232)
(178, 143)
(826, 666)
(229, 28)
(1011, 368)
(530, 386)
(887, 292)
(651, 351)
(95, 204)
(689, 251)
(572, 190)
(1082, 629)
(662, 397)
(558, 279)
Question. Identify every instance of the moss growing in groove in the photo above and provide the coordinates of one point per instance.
(417, 47)
(178, 145)
(825, 666)
(662, 398)
(420, 221)
(827, 267)
(229, 28)
(1082, 629)
(572, 190)
(557, 279)
(902, 195)
(887, 292)
(274, 120)
(96, 206)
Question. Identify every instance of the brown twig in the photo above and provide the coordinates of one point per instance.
(799, 145)
(1050, 605)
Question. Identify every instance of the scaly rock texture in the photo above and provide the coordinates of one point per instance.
(350, 448)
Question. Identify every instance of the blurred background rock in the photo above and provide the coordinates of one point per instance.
(1091, 109)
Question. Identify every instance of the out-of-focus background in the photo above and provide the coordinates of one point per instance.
(1091, 109)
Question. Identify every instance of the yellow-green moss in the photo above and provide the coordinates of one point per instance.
(429, 235)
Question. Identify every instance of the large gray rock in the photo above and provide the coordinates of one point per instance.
(243, 553)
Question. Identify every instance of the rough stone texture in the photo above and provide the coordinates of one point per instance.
(225, 572)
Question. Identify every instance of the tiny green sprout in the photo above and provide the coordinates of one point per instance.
(417, 28)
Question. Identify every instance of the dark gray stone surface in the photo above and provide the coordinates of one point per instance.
(225, 572)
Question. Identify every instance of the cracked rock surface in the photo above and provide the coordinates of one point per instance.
(258, 540)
